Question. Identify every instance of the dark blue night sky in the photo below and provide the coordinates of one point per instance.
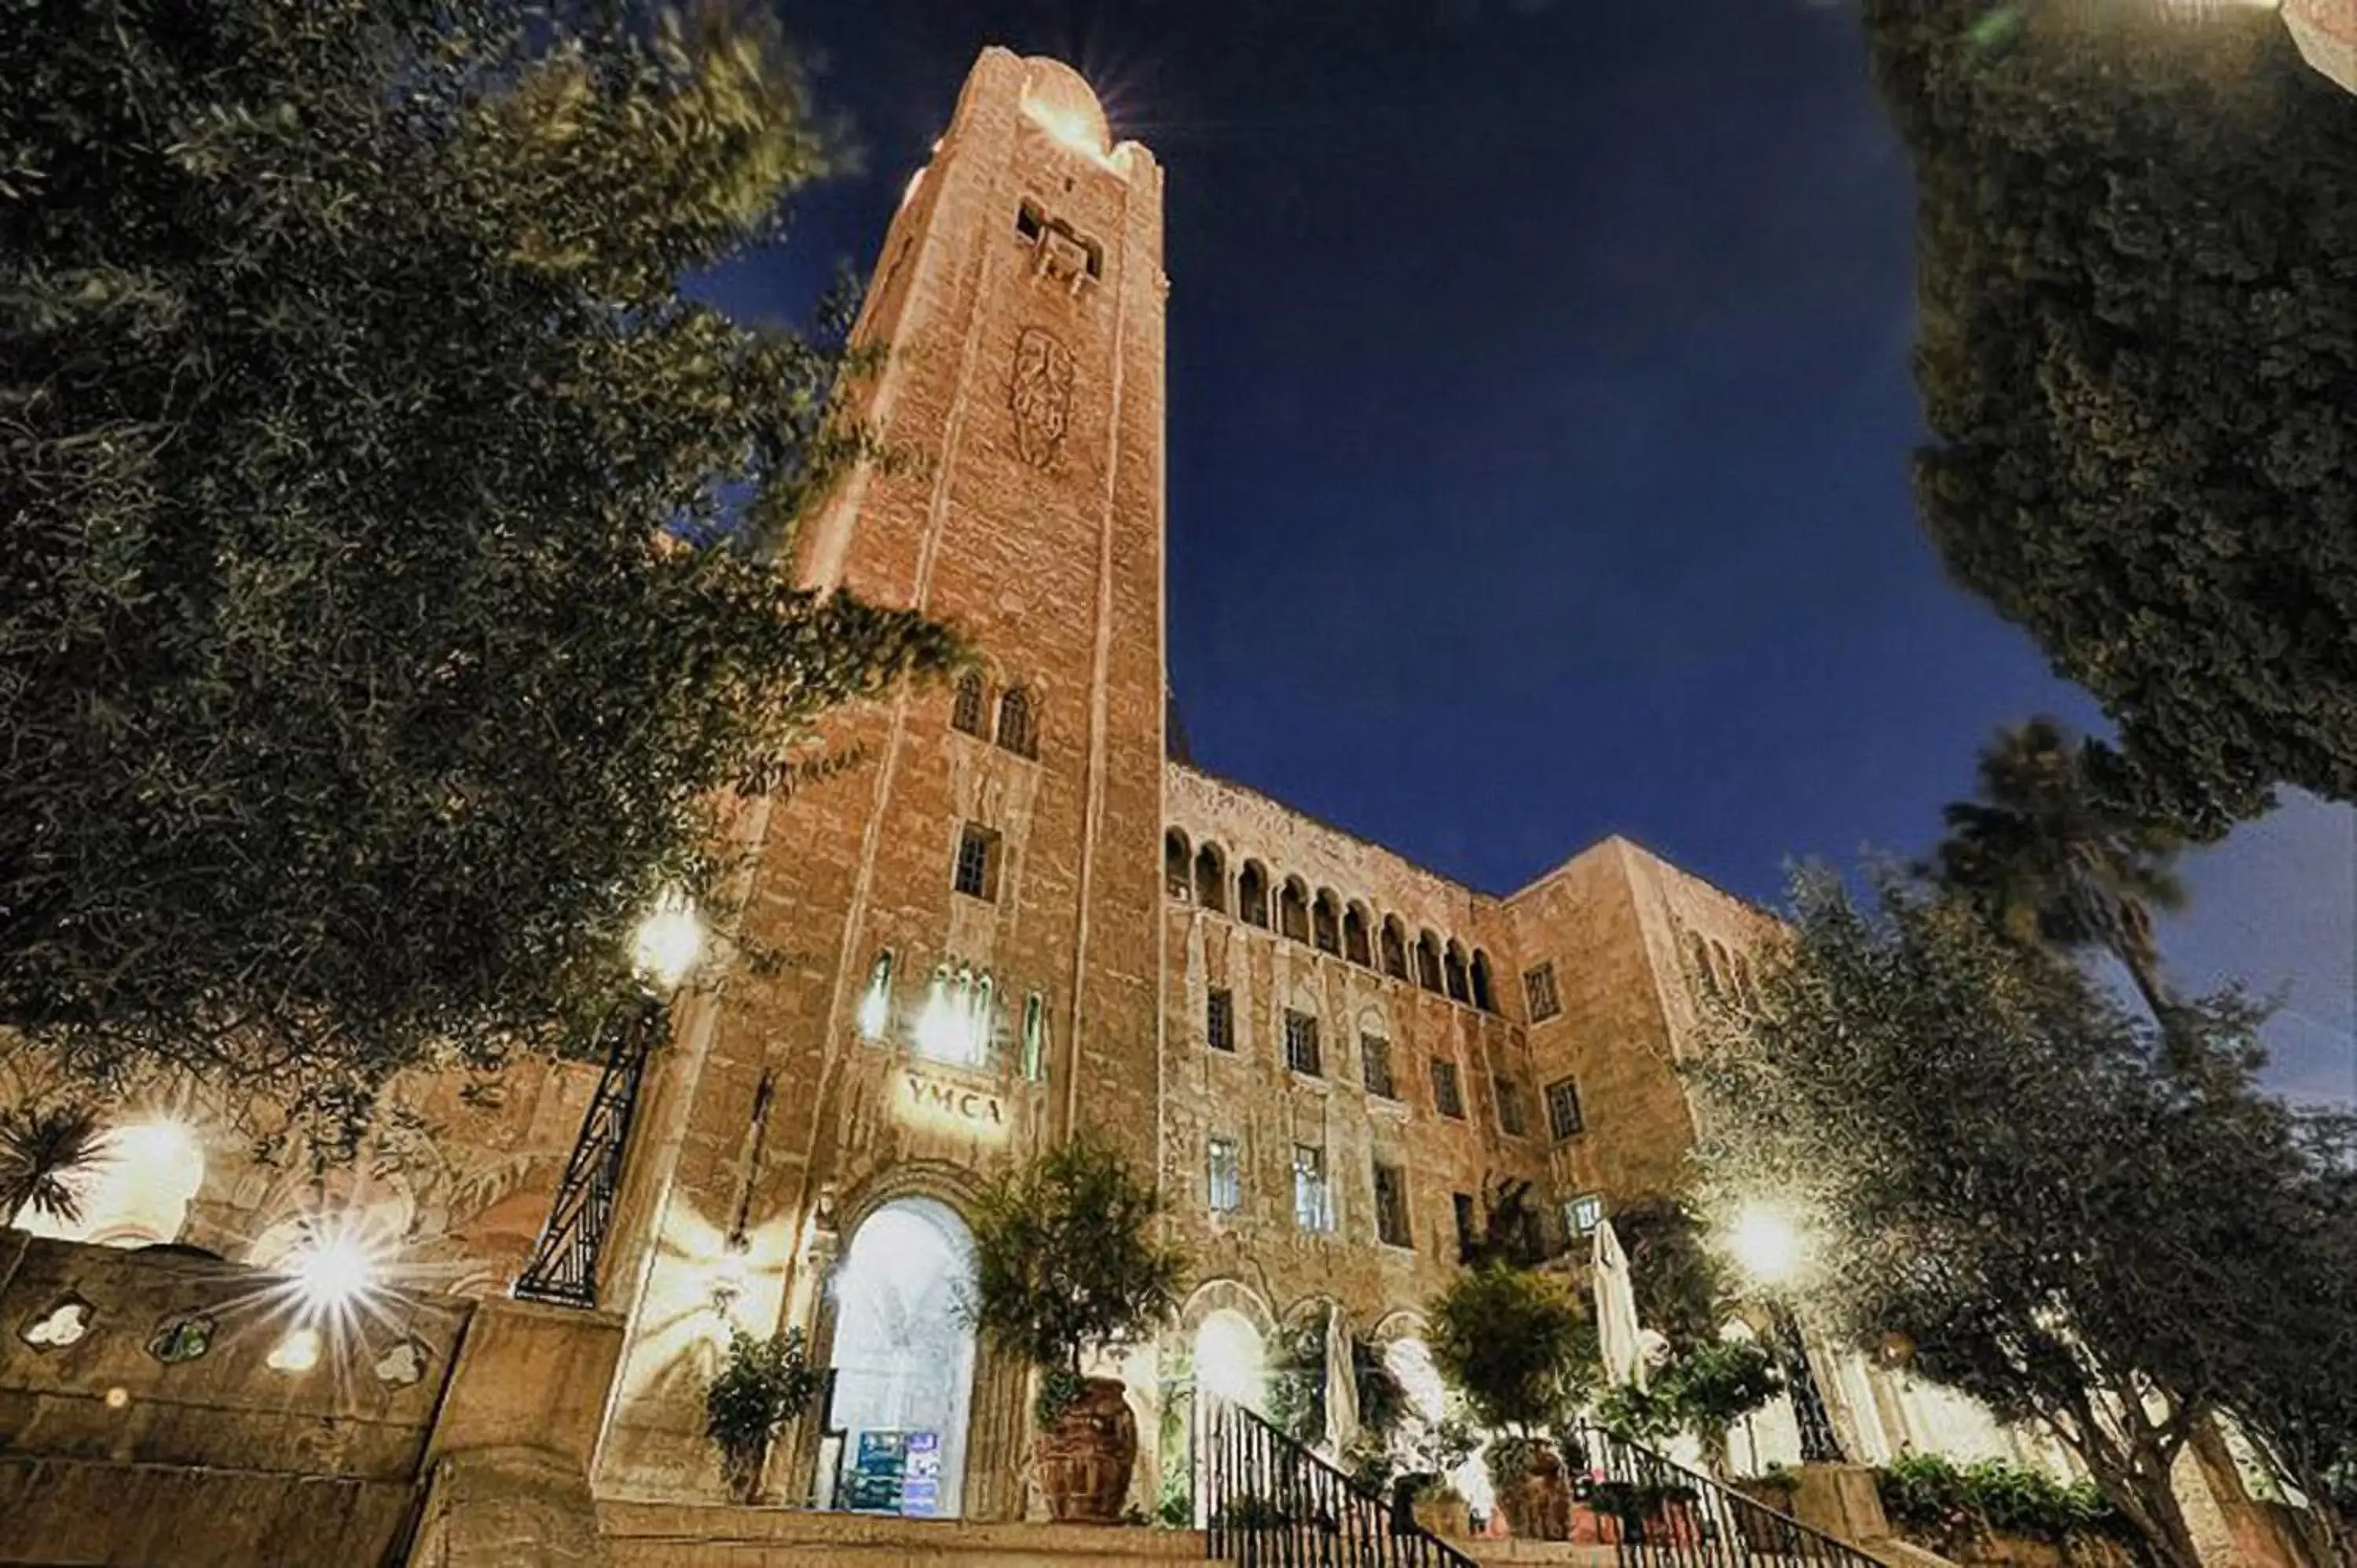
(1539, 416)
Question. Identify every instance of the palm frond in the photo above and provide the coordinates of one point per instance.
(42, 1148)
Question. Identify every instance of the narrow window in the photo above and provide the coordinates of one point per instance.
(1325, 924)
(1461, 988)
(1220, 1019)
(1210, 879)
(1028, 221)
(1448, 1091)
(1375, 1064)
(1485, 996)
(977, 862)
(1293, 909)
(1035, 1038)
(1015, 732)
(876, 1005)
(1391, 1206)
(1427, 962)
(1178, 866)
(965, 708)
(1581, 1216)
(1563, 1110)
(1252, 895)
(1461, 1204)
(1538, 988)
(1301, 1043)
(1223, 1176)
(1354, 936)
(1395, 948)
(1313, 1199)
(1511, 1120)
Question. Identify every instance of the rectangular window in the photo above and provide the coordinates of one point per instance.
(1391, 1206)
(1581, 1216)
(1301, 1043)
(1461, 1203)
(1538, 988)
(1224, 1178)
(1220, 1019)
(1035, 1038)
(1313, 1198)
(1375, 1065)
(1511, 1120)
(1447, 1094)
(1563, 1109)
(977, 862)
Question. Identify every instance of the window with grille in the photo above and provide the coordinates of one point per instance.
(1538, 987)
(1376, 1066)
(1220, 1019)
(1313, 1196)
(977, 862)
(1511, 1120)
(1447, 1091)
(1017, 732)
(1223, 1176)
(1581, 1216)
(1301, 1044)
(1391, 1206)
(965, 709)
(1563, 1119)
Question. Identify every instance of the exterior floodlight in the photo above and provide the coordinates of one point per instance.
(1766, 1244)
(333, 1271)
(664, 947)
(298, 1352)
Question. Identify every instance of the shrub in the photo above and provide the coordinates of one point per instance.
(762, 1384)
(1518, 1344)
(1932, 1495)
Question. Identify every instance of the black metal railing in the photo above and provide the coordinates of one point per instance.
(1265, 1498)
(1656, 1511)
(563, 1267)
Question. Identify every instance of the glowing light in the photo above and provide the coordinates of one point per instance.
(1228, 1359)
(665, 947)
(333, 1271)
(728, 1276)
(298, 1352)
(1069, 126)
(1767, 1244)
(876, 1007)
(118, 1398)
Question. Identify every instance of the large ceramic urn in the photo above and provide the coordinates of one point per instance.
(1084, 1460)
(1538, 1503)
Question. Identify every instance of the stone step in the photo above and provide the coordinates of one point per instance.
(722, 1535)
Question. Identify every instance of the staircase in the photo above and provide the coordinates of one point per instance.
(723, 1535)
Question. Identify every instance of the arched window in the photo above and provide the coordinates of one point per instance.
(1252, 895)
(1210, 878)
(1017, 733)
(1453, 965)
(1746, 986)
(1484, 997)
(1427, 962)
(1325, 921)
(1293, 909)
(1178, 866)
(1354, 935)
(1395, 947)
(1722, 973)
(1698, 952)
(965, 707)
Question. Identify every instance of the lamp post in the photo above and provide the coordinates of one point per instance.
(1769, 1248)
(665, 950)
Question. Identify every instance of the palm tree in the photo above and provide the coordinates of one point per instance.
(41, 1149)
(2050, 855)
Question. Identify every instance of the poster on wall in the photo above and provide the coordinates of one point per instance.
(877, 1468)
(921, 1477)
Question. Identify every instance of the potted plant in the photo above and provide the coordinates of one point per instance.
(1065, 1263)
(1711, 1385)
(762, 1384)
(1428, 1456)
(1517, 1343)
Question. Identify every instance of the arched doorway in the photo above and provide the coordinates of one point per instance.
(903, 1362)
(1230, 1359)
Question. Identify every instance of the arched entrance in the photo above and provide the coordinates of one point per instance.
(903, 1362)
(1230, 1359)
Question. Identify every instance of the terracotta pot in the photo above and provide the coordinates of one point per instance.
(1085, 1458)
(1538, 1505)
(1450, 1517)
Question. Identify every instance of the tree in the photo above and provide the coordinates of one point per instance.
(2049, 856)
(1679, 1281)
(2137, 354)
(358, 703)
(1517, 1344)
(1998, 1169)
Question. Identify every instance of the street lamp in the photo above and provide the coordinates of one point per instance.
(1771, 1249)
(667, 943)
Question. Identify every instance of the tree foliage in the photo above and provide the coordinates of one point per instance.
(2001, 1169)
(358, 701)
(1066, 1256)
(2138, 352)
(42, 1149)
(1517, 1344)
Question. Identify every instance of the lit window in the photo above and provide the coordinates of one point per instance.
(1223, 1176)
(1581, 1216)
(1538, 986)
(1511, 1120)
(977, 862)
(1391, 1206)
(1447, 1091)
(956, 1026)
(965, 706)
(1035, 1038)
(876, 1005)
(1376, 1066)
(1563, 1109)
(1313, 1198)
(1301, 1043)
(1220, 1019)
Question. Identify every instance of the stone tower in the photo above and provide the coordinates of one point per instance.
(966, 922)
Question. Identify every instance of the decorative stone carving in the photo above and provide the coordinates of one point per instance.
(404, 1364)
(64, 1324)
(1042, 396)
(181, 1338)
